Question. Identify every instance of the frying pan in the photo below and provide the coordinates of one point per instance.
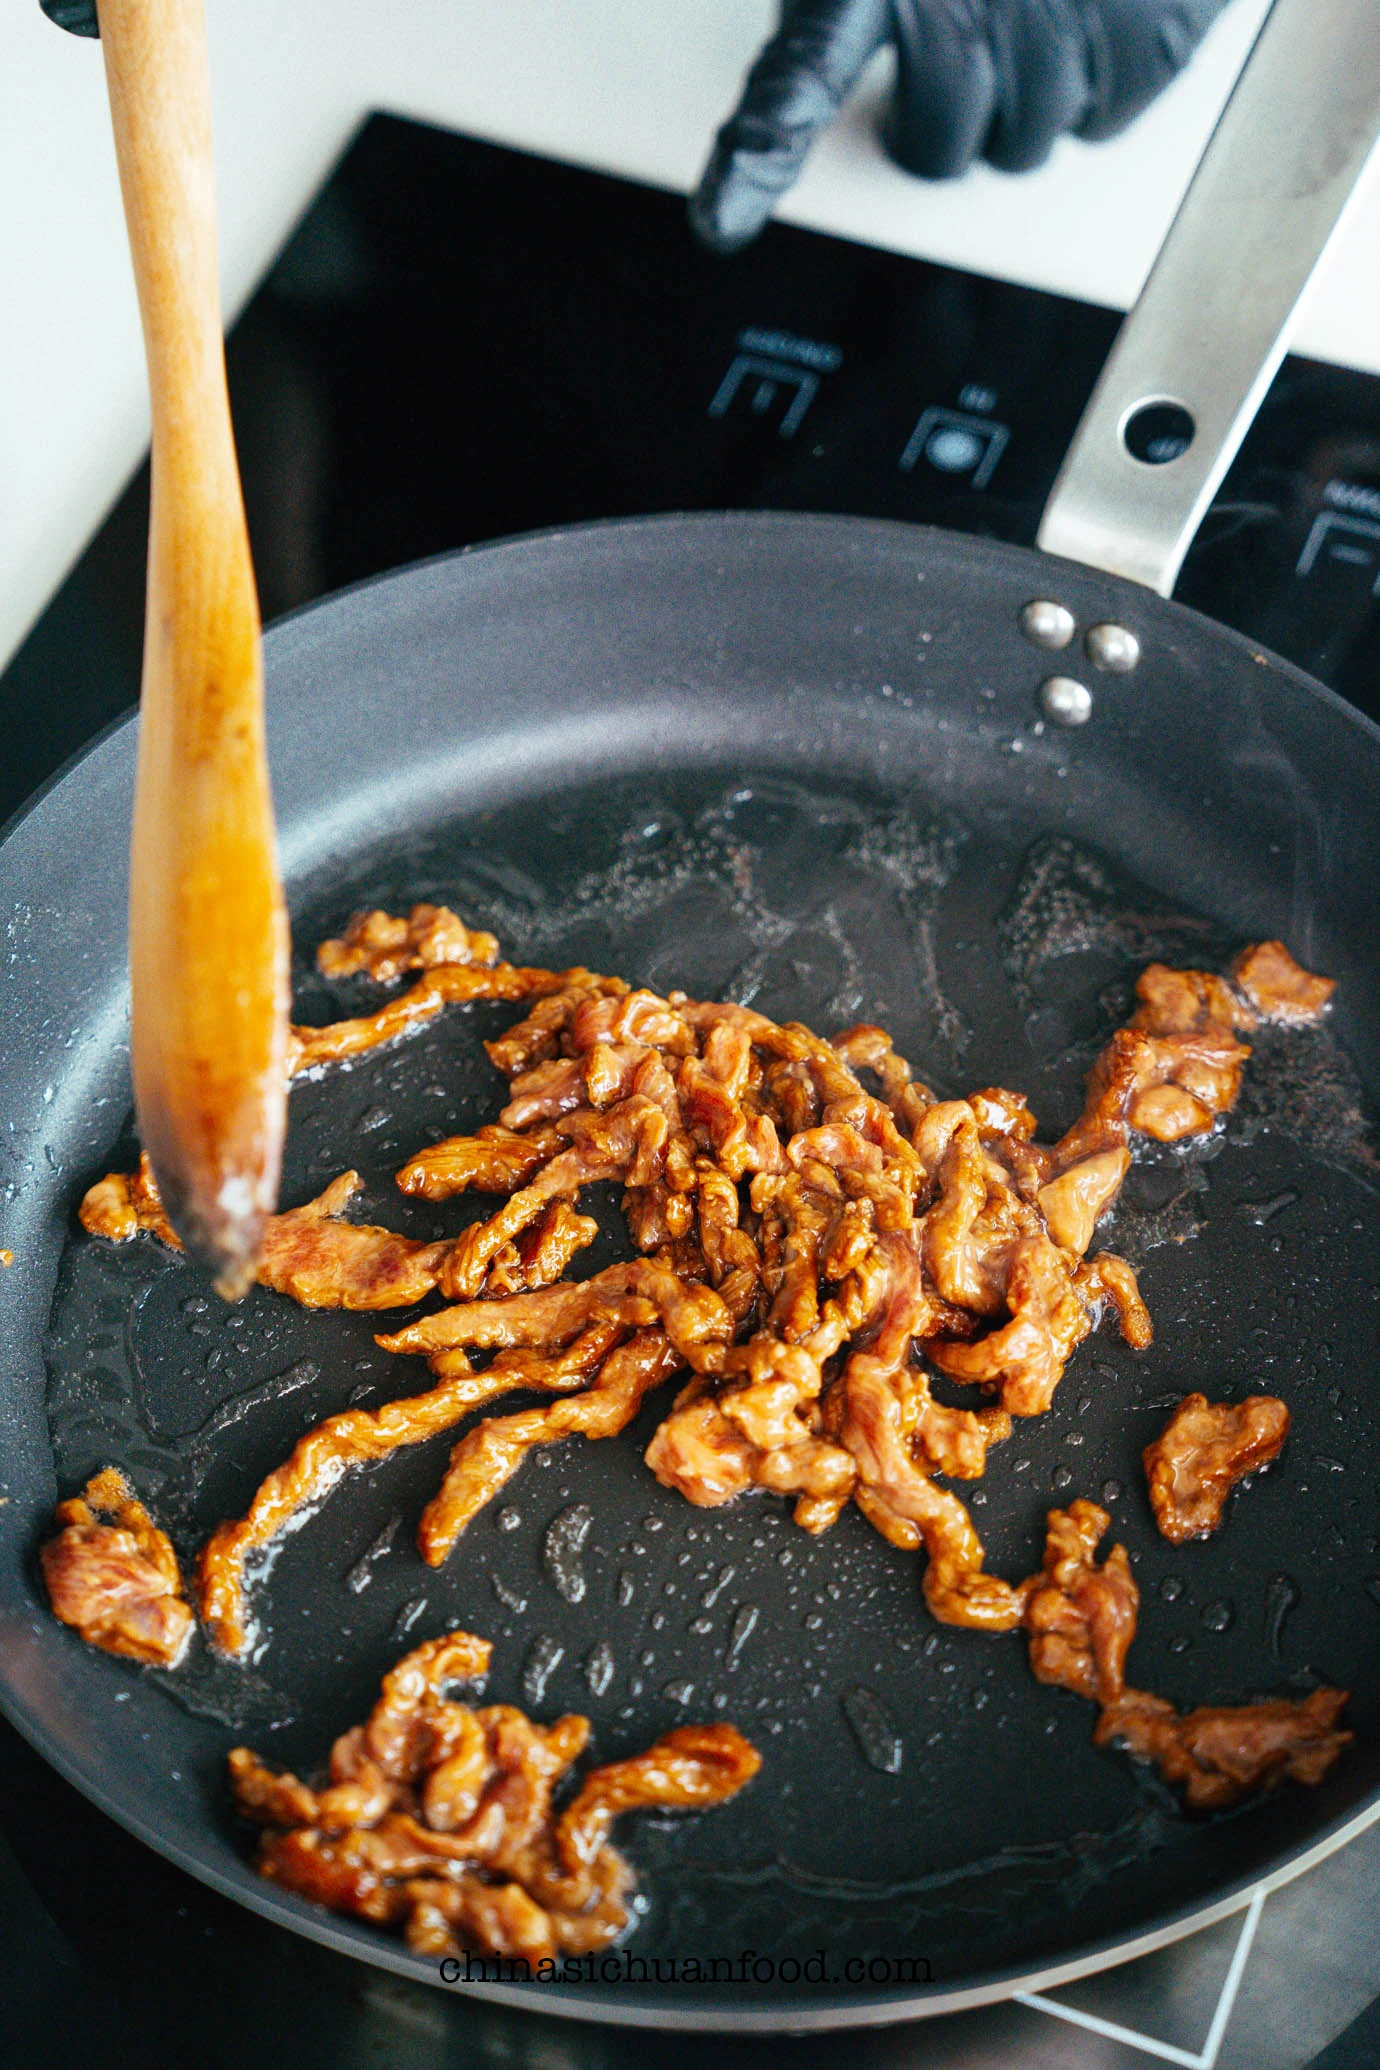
(813, 763)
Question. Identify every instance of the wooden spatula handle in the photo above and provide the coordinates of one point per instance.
(208, 931)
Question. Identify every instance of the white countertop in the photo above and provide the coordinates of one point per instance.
(631, 86)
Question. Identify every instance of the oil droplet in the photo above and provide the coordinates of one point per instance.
(1218, 1617)
(1112, 1491)
(1171, 1588)
(1262, 1211)
(740, 1631)
(544, 1657)
(358, 1577)
(1061, 1477)
(408, 1614)
(711, 1595)
(625, 1588)
(1181, 1643)
(561, 1547)
(509, 1519)
(1372, 1587)
(509, 1597)
(1281, 1596)
(703, 1625)
(679, 1692)
(599, 1667)
(873, 1729)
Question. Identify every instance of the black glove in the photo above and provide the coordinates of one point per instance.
(997, 79)
(77, 15)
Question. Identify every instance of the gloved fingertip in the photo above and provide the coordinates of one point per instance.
(728, 210)
(78, 17)
(1020, 154)
(923, 151)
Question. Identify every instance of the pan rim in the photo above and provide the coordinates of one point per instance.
(803, 520)
(788, 2016)
(1006, 550)
(783, 2016)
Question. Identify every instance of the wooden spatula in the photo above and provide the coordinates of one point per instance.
(208, 930)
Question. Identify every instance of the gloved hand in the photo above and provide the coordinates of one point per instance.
(997, 79)
(77, 15)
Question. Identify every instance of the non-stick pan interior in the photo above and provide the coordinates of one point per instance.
(796, 763)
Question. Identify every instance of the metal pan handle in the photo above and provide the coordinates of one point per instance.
(1194, 358)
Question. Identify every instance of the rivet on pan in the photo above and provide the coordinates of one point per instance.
(1065, 702)
(1047, 624)
(1112, 647)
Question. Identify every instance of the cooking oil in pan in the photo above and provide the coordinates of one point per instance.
(599, 1595)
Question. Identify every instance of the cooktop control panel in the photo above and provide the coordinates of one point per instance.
(497, 342)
